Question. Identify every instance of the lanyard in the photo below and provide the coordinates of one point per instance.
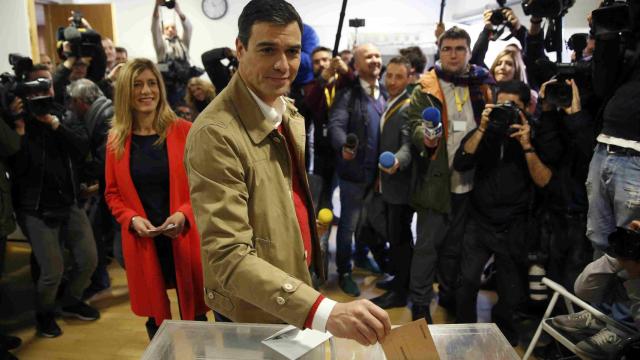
(389, 113)
(460, 103)
(330, 96)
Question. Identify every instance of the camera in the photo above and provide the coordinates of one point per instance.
(178, 72)
(546, 8)
(16, 85)
(220, 64)
(624, 244)
(497, 17)
(169, 4)
(560, 94)
(84, 42)
(356, 23)
(502, 117)
(614, 17)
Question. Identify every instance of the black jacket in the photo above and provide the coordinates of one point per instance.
(348, 115)
(97, 121)
(502, 187)
(9, 145)
(45, 169)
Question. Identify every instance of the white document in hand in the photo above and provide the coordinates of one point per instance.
(294, 343)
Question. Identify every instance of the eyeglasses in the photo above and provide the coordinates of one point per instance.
(457, 49)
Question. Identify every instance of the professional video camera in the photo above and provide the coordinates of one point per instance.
(84, 42)
(624, 244)
(502, 117)
(546, 8)
(16, 85)
(178, 72)
(560, 93)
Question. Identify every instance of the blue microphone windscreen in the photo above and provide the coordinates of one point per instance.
(431, 114)
(387, 159)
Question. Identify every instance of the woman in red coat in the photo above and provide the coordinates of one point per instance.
(148, 193)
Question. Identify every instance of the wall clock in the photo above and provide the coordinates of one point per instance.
(214, 9)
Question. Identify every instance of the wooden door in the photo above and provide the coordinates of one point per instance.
(100, 16)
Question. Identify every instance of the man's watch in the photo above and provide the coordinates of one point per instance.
(529, 150)
(55, 122)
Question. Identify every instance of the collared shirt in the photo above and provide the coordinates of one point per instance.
(367, 88)
(460, 123)
(390, 104)
(274, 114)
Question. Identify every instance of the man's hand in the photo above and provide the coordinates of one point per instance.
(392, 170)
(439, 30)
(359, 320)
(142, 227)
(512, 19)
(328, 74)
(159, 2)
(523, 133)
(339, 66)
(20, 127)
(635, 225)
(542, 95)
(348, 154)
(178, 220)
(486, 18)
(16, 107)
(484, 119)
(575, 100)
(49, 120)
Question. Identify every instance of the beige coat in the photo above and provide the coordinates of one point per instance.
(240, 181)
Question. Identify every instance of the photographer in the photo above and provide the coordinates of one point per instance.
(568, 133)
(9, 145)
(506, 167)
(90, 107)
(505, 17)
(612, 282)
(613, 173)
(45, 181)
(169, 46)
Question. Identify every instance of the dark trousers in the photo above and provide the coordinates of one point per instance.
(508, 244)
(569, 248)
(437, 251)
(400, 239)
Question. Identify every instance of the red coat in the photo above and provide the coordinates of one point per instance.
(146, 285)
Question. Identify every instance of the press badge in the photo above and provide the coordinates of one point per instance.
(459, 126)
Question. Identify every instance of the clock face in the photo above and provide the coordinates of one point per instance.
(214, 9)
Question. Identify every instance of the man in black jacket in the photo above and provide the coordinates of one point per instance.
(46, 188)
(395, 182)
(356, 114)
(506, 167)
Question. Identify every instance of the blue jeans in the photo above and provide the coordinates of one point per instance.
(351, 199)
(613, 188)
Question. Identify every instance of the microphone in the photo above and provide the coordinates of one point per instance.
(387, 159)
(325, 216)
(433, 123)
(351, 144)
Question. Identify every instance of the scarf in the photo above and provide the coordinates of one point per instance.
(473, 79)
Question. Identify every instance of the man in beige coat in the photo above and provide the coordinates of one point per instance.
(250, 195)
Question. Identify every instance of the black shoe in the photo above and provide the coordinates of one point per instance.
(390, 299)
(349, 286)
(81, 311)
(10, 342)
(421, 311)
(6, 355)
(368, 265)
(46, 325)
(152, 328)
(384, 284)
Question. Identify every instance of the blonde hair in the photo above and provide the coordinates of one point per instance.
(123, 118)
(209, 90)
(520, 72)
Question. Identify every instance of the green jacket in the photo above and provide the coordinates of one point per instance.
(431, 183)
(9, 145)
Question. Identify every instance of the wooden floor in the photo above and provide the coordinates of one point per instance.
(119, 334)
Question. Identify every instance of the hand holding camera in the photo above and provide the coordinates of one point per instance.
(575, 105)
(522, 133)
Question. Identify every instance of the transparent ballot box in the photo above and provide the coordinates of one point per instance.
(206, 340)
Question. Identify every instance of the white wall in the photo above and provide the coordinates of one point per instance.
(14, 31)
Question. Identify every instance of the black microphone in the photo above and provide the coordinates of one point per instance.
(351, 144)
